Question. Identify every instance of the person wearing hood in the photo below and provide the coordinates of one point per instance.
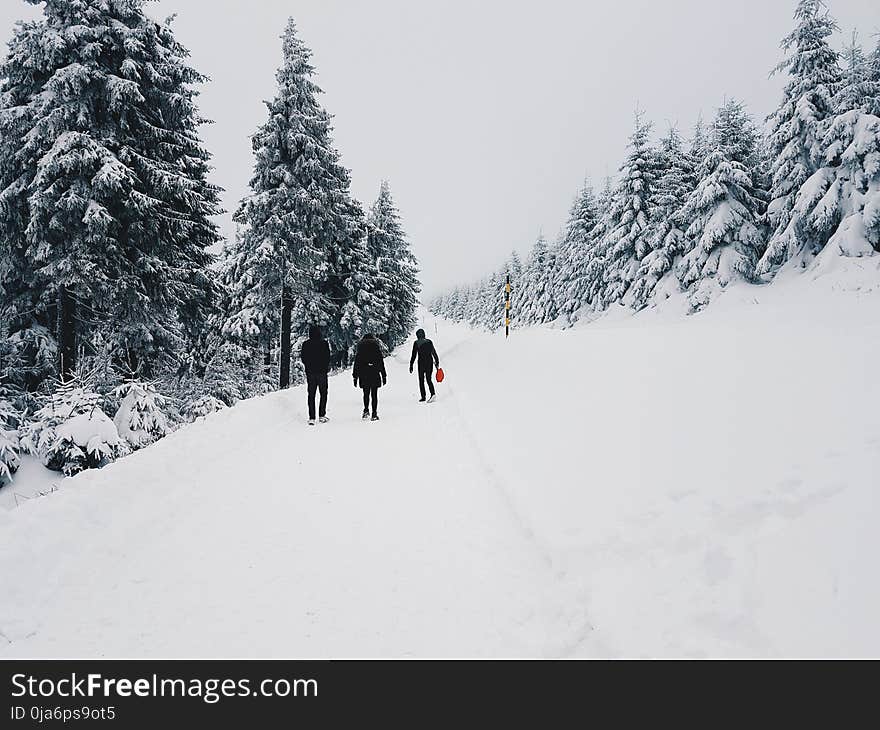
(369, 373)
(315, 355)
(423, 350)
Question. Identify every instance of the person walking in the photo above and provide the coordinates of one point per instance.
(369, 372)
(423, 350)
(315, 354)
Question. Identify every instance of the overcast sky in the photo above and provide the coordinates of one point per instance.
(484, 116)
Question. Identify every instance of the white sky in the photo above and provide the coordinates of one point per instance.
(484, 116)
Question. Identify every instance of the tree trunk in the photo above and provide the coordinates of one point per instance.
(67, 334)
(286, 307)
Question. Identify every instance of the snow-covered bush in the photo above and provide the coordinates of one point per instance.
(9, 456)
(203, 406)
(140, 418)
(71, 432)
(234, 372)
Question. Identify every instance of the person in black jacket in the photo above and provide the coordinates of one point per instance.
(315, 354)
(369, 371)
(423, 349)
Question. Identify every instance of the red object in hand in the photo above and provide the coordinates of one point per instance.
(440, 375)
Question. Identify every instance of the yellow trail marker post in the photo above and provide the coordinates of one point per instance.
(507, 290)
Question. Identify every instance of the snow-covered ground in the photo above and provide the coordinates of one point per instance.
(655, 485)
(31, 481)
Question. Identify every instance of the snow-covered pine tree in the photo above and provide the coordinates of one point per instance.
(464, 302)
(514, 267)
(854, 91)
(140, 418)
(396, 266)
(840, 203)
(10, 459)
(699, 147)
(545, 305)
(350, 271)
(872, 87)
(624, 239)
(537, 278)
(250, 309)
(487, 311)
(798, 125)
(105, 203)
(575, 252)
(735, 131)
(593, 279)
(725, 231)
(302, 252)
(675, 182)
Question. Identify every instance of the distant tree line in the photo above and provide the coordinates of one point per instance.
(730, 203)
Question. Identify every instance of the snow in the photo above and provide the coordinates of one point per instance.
(656, 485)
(30, 481)
(86, 429)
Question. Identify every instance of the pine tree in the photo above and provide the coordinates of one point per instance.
(514, 267)
(872, 84)
(854, 90)
(71, 432)
(10, 460)
(699, 142)
(396, 267)
(734, 130)
(798, 125)
(575, 251)
(105, 211)
(840, 203)
(725, 232)
(140, 418)
(487, 308)
(624, 238)
(546, 304)
(536, 302)
(675, 182)
(302, 252)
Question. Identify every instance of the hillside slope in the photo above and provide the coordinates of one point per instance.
(653, 486)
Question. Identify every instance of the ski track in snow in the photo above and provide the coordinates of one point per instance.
(649, 486)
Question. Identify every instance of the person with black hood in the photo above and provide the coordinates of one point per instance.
(369, 372)
(423, 349)
(315, 354)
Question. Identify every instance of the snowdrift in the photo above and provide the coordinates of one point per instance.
(656, 485)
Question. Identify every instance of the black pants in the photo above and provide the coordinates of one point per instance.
(371, 392)
(423, 376)
(315, 383)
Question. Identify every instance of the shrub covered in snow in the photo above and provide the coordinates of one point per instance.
(140, 418)
(9, 457)
(201, 407)
(71, 432)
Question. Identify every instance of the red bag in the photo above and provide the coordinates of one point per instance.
(440, 375)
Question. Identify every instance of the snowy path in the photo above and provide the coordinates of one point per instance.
(273, 539)
(656, 486)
